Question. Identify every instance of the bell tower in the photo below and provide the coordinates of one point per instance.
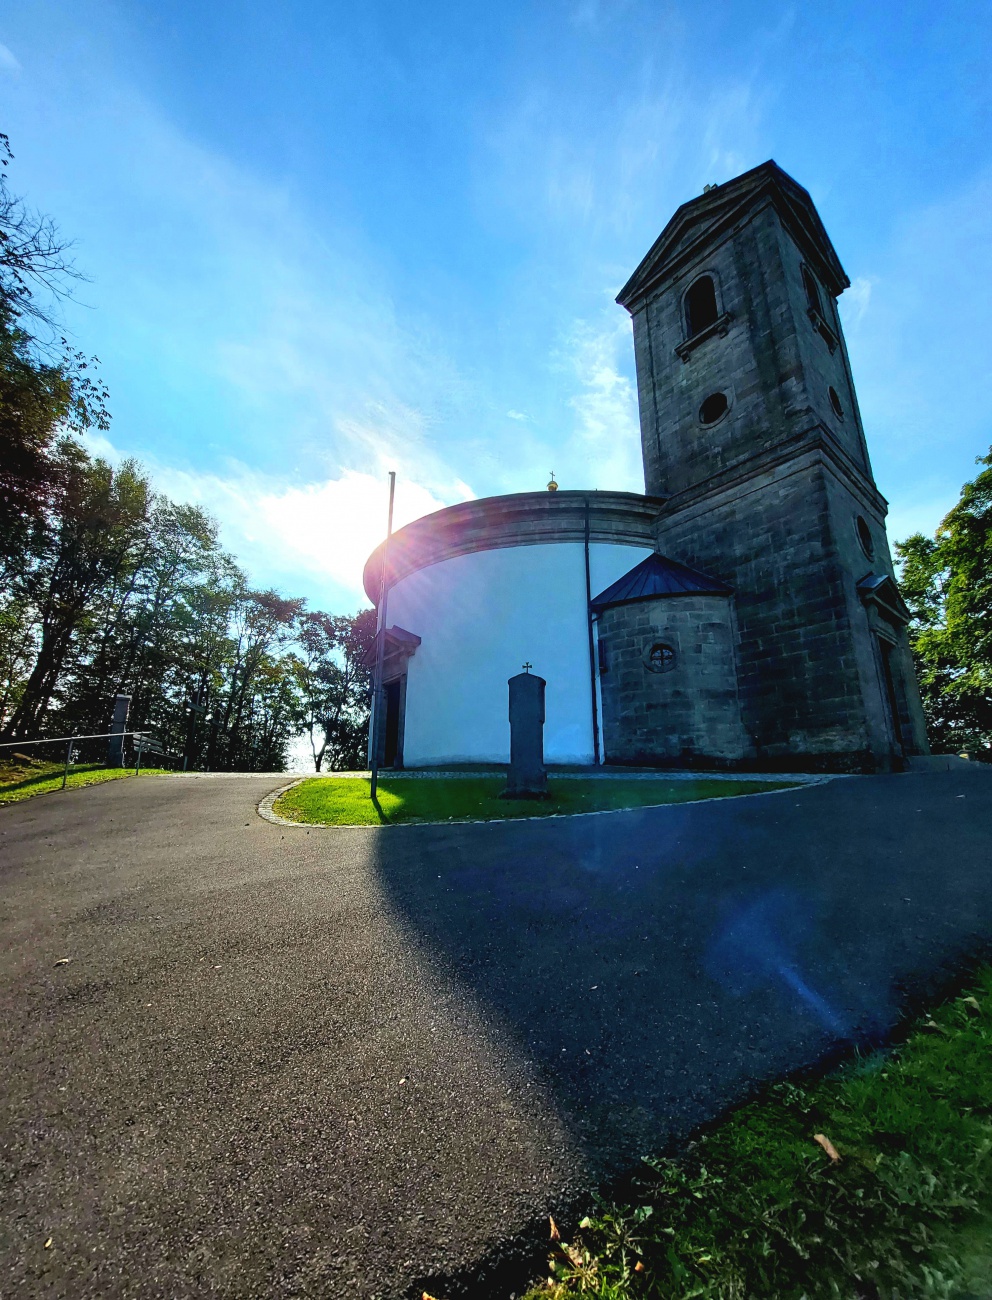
(750, 427)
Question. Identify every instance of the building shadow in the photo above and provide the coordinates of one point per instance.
(656, 966)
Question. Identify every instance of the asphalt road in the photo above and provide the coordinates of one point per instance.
(289, 1062)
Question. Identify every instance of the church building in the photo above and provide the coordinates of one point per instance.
(743, 612)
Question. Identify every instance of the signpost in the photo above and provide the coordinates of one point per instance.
(380, 648)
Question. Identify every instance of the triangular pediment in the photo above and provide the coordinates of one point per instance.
(880, 590)
(705, 218)
(398, 642)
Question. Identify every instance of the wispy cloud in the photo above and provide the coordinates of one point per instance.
(313, 536)
(595, 165)
(604, 449)
(855, 303)
(285, 385)
(920, 352)
(316, 535)
(8, 61)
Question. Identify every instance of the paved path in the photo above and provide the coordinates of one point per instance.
(285, 1062)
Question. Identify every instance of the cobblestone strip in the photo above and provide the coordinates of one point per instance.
(266, 810)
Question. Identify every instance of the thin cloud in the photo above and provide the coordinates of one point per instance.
(604, 447)
(917, 372)
(8, 62)
(276, 337)
(312, 536)
(855, 303)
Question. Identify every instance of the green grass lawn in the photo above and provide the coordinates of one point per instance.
(758, 1207)
(21, 780)
(346, 800)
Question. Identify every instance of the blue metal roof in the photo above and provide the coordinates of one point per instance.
(660, 576)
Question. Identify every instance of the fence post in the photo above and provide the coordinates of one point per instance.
(68, 760)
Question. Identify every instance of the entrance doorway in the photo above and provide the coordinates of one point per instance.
(891, 699)
(391, 739)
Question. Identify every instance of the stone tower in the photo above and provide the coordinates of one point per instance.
(750, 427)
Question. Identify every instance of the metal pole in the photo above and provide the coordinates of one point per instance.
(380, 648)
(68, 760)
(592, 648)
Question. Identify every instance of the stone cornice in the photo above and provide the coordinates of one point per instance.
(521, 519)
(719, 211)
(815, 439)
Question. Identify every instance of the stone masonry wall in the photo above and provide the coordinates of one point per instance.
(767, 496)
(774, 367)
(687, 714)
(845, 507)
(770, 539)
(757, 363)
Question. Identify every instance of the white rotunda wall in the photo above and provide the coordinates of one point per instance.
(481, 616)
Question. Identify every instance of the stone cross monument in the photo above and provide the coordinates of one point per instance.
(118, 725)
(527, 777)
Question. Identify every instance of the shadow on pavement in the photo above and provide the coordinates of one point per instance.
(652, 967)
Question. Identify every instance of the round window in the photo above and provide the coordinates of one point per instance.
(659, 658)
(715, 406)
(864, 537)
(835, 403)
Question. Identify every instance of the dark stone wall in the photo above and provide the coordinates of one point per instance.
(771, 539)
(687, 714)
(767, 497)
(772, 363)
(845, 506)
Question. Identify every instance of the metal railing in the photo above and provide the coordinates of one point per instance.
(99, 735)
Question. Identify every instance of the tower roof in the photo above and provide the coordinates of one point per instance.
(705, 218)
(660, 576)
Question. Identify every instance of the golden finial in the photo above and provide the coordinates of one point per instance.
(552, 486)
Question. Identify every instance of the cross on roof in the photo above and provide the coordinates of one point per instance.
(527, 667)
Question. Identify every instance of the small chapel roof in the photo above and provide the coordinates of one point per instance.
(660, 576)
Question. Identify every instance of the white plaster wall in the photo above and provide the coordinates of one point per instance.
(480, 618)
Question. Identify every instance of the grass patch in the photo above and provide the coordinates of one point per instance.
(757, 1208)
(346, 800)
(24, 779)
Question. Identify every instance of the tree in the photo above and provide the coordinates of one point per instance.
(947, 583)
(90, 545)
(107, 587)
(46, 388)
(334, 686)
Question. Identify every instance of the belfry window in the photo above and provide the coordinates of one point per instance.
(814, 308)
(812, 291)
(700, 305)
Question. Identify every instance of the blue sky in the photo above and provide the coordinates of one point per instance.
(325, 241)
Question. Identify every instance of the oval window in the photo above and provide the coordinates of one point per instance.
(835, 403)
(715, 406)
(864, 537)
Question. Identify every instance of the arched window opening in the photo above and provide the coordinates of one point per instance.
(812, 291)
(700, 305)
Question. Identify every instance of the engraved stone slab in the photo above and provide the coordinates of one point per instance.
(527, 777)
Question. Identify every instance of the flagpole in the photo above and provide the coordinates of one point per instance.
(380, 649)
